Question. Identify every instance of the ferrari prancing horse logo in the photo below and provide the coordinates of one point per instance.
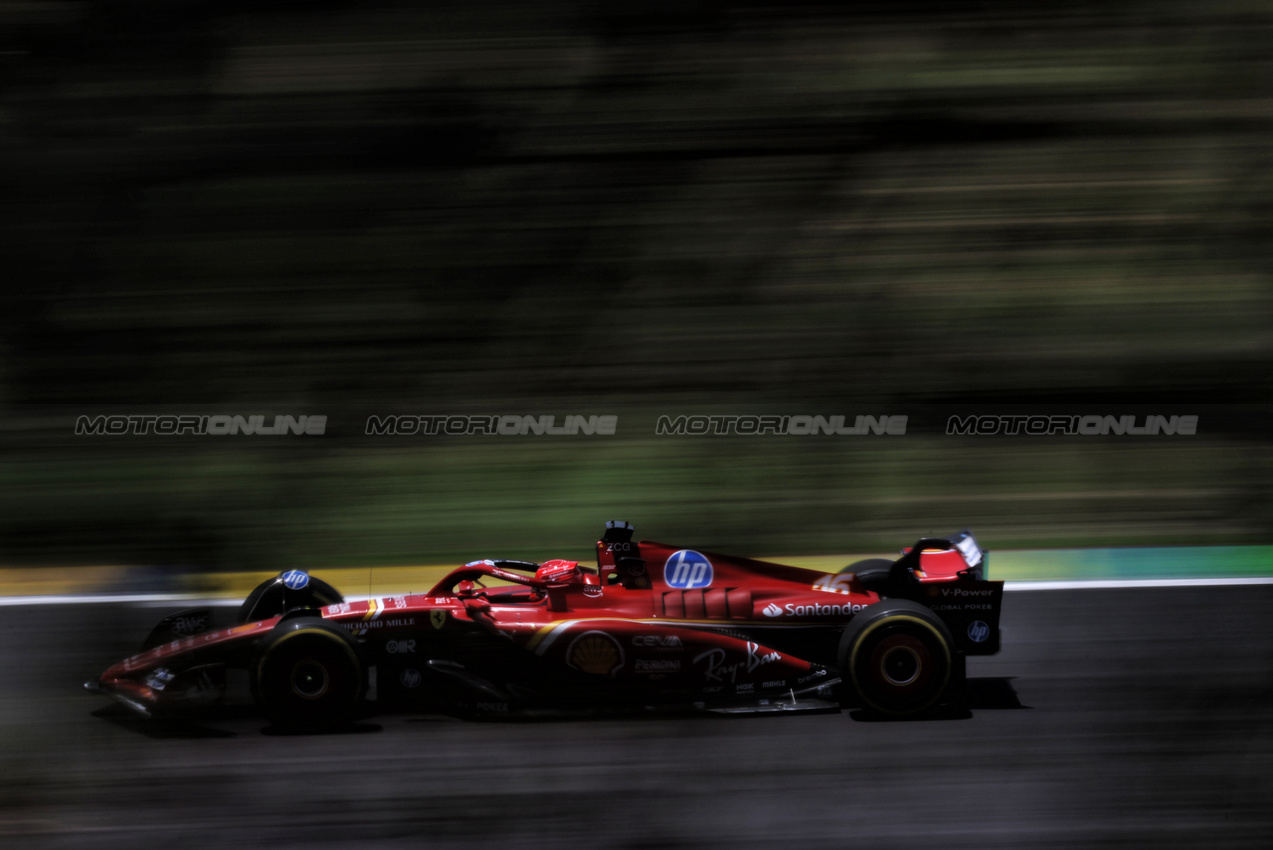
(437, 617)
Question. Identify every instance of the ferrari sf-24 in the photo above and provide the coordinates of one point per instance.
(651, 626)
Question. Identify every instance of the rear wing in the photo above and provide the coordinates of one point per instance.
(957, 555)
(958, 592)
(946, 557)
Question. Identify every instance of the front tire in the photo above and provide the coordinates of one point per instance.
(897, 655)
(308, 676)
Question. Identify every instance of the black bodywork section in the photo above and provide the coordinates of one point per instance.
(969, 606)
(471, 670)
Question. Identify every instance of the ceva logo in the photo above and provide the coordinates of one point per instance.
(772, 610)
(687, 569)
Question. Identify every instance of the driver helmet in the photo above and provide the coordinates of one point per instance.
(559, 572)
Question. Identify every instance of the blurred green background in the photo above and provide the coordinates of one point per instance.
(631, 208)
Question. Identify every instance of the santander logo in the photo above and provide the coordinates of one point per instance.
(812, 609)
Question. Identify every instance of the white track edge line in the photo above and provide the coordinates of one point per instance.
(1084, 584)
(1099, 584)
(132, 598)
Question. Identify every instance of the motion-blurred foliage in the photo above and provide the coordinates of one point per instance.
(560, 207)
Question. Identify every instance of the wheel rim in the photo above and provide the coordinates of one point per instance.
(900, 665)
(309, 679)
(899, 662)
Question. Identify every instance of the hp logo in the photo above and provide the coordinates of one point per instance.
(687, 569)
(295, 579)
(978, 631)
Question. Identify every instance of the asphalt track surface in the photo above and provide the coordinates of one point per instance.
(1113, 717)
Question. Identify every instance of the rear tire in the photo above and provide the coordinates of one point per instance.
(871, 573)
(898, 658)
(308, 676)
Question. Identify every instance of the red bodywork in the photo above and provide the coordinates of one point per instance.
(651, 622)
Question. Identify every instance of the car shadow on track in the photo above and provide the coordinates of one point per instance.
(197, 726)
(348, 729)
(993, 692)
(986, 693)
(982, 694)
(159, 728)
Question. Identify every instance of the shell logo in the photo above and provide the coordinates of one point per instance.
(595, 653)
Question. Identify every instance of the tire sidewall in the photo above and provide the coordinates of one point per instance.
(898, 657)
(308, 676)
(871, 573)
(868, 564)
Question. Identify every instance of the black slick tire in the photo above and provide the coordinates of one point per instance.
(308, 676)
(871, 573)
(898, 657)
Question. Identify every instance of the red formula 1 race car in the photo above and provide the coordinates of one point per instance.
(651, 626)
